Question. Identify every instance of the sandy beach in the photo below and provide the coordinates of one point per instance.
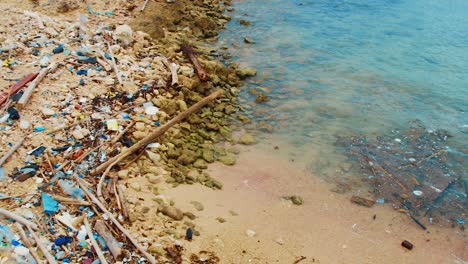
(327, 228)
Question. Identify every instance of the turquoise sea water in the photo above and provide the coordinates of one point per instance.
(352, 67)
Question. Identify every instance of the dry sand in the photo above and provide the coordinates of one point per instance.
(327, 228)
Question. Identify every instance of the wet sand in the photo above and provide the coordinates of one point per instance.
(327, 228)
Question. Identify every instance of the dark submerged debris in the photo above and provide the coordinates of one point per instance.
(416, 170)
(362, 201)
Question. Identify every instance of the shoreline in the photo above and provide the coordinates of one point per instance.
(327, 228)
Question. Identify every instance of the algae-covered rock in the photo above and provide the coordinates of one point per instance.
(244, 119)
(157, 250)
(261, 97)
(200, 164)
(244, 22)
(246, 72)
(297, 200)
(187, 157)
(172, 212)
(208, 155)
(247, 139)
(228, 160)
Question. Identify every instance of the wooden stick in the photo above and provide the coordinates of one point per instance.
(28, 243)
(19, 195)
(11, 151)
(103, 177)
(44, 250)
(94, 242)
(144, 5)
(123, 132)
(111, 242)
(160, 131)
(18, 218)
(95, 200)
(123, 201)
(67, 200)
(114, 64)
(173, 68)
(32, 85)
(198, 67)
(16, 87)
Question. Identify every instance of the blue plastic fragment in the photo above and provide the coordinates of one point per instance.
(58, 49)
(38, 129)
(82, 72)
(15, 243)
(380, 200)
(38, 151)
(49, 205)
(82, 82)
(460, 221)
(189, 234)
(63, 240)
(107, 56)
(92, 60)
(157, 123)
(2, 174)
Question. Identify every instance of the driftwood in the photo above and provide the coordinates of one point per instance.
(123, 201)
(43, 248)
(111, 242)
(114, 220)
(94, 243)
(11, 151)
(28, 243)
(18, 218)
(16, 87)
(198, 67)
(154, 135)
(67, 200)
(114, 64)
(173, 68)
(32, 85)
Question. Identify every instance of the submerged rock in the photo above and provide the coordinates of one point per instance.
(228, 160)
(246, 72)
(199, 206)
(247, 139)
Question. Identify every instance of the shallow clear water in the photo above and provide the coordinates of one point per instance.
(353, 67)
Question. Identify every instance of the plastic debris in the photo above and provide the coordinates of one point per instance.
(406, 244)
(58, 49)
(37, 151)
(63, 240)
(112, 124)
(14, 115)
(189, 234)
(69, 188)
(3, 175)
(49, 205)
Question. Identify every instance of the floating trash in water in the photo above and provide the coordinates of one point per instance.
(417, 193)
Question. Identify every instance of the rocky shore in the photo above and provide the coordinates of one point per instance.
(111, 72)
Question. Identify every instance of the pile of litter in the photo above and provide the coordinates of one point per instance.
(84, 97)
